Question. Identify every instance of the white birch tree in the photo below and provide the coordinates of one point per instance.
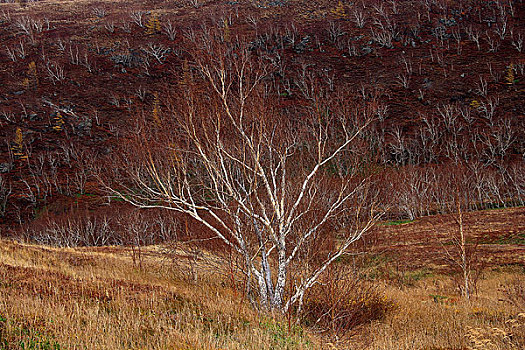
(267, 180)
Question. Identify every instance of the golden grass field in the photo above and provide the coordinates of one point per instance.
(98, 298)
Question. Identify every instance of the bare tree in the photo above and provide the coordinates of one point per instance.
(11, 53)
(493, 42)
(517, 41)
(462, 254)
(25, 26)
(5, 192)
(55, 71)
(169, 30)
(99, 12)
(473, 35)
(138, 18)
(157, 51)
(267, 182)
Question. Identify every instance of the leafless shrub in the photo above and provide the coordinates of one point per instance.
(29, 26)
(501, 28)
(5, 16)
(24, 25)
(504, 136)
(20, 50)
(292, 34)
(517, 41)
(334, 32)
(61, 45)
(407, 65)
(99, 12)
(466, 114)
(382, 37)
(125, 26)
(190, 35)
(114, 100)
(38, 25)
(306, 82)
(494, 73)
(74, 56)
(340, 302)
(8, 116)
(5, 192)
(449, 116)
(253, 22)
(55, 71)
(494, 43)
(403, 79)
(11, 54)
(380, 10)
(169, 30)
(145, 65)
(463, 256)
(86, 63)
(351, 49)
(138, 18)
(516, 174)
(31, 191)
(385, 30)
(141, 93)
(482, 87)
(382, 111)
(157, 51)
(110, 26)
(399, 147)
(73, 231)
(488, 109)
(456, 34)
(410, 191)
(359, 17)
(519, 68)
(195, 3)
(473, 35)
(511, 8)
(393, 3)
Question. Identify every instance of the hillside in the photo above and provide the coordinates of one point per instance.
(442, 80)
(253, 174)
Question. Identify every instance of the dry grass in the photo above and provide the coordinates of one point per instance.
(432, 316)
(95, 298)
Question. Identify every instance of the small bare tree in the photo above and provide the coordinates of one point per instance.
(268, 183)
(55, 71)
(462, 253)
(169, 29)
(5, 192)
(517, 41)
(359, 17)
(157, 51)
(473, 35)
(138, 18)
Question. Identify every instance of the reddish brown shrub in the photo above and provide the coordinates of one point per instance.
(341, 301)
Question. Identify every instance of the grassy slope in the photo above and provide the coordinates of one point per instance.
(95, 298)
